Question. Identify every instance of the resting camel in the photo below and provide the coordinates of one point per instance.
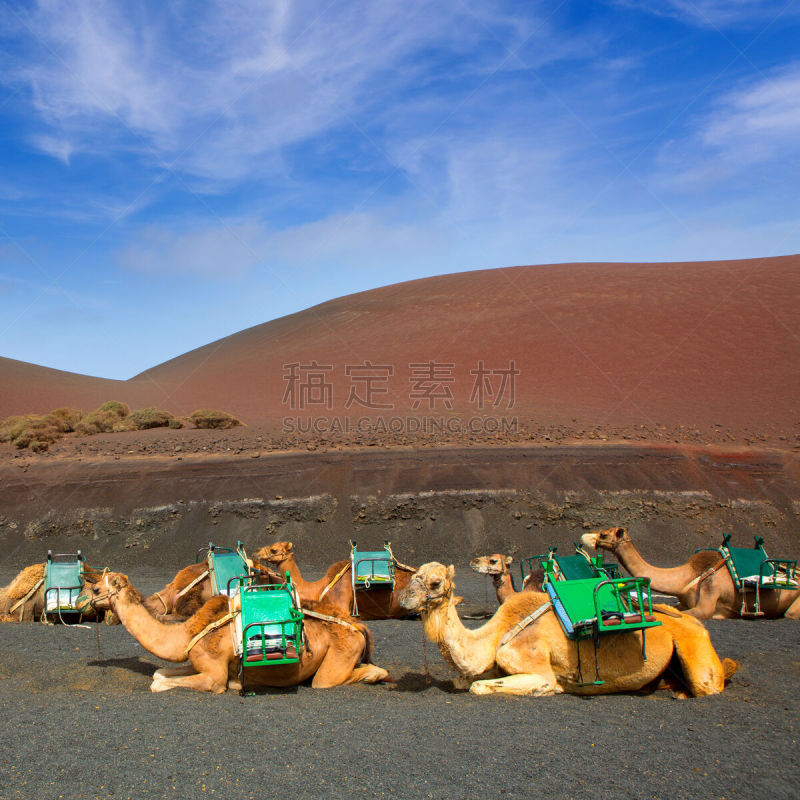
(497, 565)
(703, 584)
(23, 599)
(179, 599)
(538, 658)
(336, 653)
(377, 603)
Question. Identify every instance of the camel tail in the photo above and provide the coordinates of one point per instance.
(729, 668)
(366, 656)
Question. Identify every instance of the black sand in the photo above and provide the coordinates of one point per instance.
(78, 723)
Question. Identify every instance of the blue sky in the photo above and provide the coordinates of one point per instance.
(171, 173)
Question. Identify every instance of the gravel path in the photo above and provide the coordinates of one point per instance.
(75, 723)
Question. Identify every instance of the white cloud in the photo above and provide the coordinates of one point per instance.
(58, 148)
(715, 13)
(754, 124)
(222, 87)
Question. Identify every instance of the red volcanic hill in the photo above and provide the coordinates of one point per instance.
(694, 344)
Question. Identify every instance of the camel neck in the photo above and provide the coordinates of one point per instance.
(471, 652)
(167, 641)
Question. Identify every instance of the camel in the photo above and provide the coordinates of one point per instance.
(337, 650)
(336, 584)
(179, 599)
(23, 599)
(497, 565)
(13, 605)
(522, 649)
(702, 585)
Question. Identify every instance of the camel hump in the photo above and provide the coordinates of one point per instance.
(729, 668)
(25, 581)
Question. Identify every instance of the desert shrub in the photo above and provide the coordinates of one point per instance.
(42, 430)
(12, 427)
(103, 419)
(115, 407)
(175, 424)
(66, 418)
(209, 418)
(149, 418)
(126, 424)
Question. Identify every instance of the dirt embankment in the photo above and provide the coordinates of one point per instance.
(442, 504)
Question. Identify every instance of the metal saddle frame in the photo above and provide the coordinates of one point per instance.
(271, 623)
(224, 564)
(371, 569)
(590, 607)
(575, 567)
(63, 583)
(751, 568)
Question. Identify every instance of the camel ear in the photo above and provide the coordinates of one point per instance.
(619, 533)
(116, 582)
(289, 547)
(509, 559)
(451, 571)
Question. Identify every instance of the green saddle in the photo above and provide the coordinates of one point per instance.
(372, 568)
(592, 606)
(751, 567)
(63, 582)
(225, 565)
(272, 624)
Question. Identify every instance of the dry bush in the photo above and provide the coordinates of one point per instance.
(209, 418)
(103, 419)
(66, 418)
(41, 430)
(175, 424)
(115, 407)
(12, 427)
(149, 418)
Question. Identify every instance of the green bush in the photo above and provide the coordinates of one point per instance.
(149, 418)
(209, 418)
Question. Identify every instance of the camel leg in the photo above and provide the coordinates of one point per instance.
(529, 672)
(793, 612)
(174, 672)
(706, 603)
(367, 673)
(200, 681)
(208, 674)
(339, 668)
(699, 661)
(537, 685)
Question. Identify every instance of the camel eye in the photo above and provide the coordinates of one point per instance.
(492, 560)
(434, 584)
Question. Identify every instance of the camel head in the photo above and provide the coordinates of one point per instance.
(276, 553)
(100, 594)
(496, 564)
(430, 586)
(608, 539)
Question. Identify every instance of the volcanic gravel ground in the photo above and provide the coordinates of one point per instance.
(81, 723)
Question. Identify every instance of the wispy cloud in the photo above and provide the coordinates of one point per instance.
(222, 87)
(754, 123)
(715, 13)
